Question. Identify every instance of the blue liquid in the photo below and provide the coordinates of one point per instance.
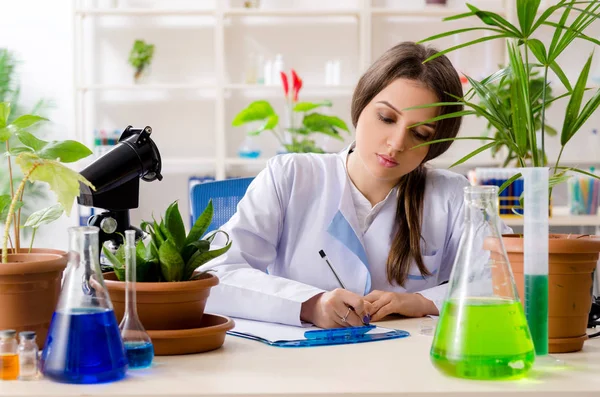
(249, 154)
(139, 354)
(84, 346)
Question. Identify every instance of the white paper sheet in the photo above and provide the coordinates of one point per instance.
(279, 332)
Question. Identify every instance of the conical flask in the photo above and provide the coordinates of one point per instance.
(482, 332)
(138, 344)
(84, 344)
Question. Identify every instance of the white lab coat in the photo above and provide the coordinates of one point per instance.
(302, 203)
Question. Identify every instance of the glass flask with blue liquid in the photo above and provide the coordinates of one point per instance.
(84, 344)
(138, 344)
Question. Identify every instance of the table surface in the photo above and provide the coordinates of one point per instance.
(395, 367)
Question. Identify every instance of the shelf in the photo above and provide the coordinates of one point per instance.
(141, 87)
(142, 12)
(428, 11)
(277, 89)
(258, 162)
(560, 217)
(185, 165)
(292, 12)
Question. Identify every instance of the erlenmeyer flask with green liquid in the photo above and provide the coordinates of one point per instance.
(482, 332)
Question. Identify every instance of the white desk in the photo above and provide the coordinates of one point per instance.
(397, 367)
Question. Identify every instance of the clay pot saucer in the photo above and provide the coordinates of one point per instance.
(208, 334)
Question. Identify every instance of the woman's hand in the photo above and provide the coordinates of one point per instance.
(329, 309)
(406, 304)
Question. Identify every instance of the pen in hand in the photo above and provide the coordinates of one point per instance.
(367, 317)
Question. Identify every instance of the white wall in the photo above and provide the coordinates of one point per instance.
(39, 32)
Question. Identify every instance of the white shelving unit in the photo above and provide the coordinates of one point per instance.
(364, 16)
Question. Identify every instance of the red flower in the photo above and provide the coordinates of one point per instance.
(296, 85)
(286, 87)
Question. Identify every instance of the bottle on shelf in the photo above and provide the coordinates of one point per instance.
(278, 66)
(250, 75)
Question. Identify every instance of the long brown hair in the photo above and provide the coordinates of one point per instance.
(405, 60)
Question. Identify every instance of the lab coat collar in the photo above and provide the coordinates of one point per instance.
(344, 225)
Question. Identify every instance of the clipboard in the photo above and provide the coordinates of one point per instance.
(280, 335)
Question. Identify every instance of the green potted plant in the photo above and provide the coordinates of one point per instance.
(502, 90)
(172, 289)
(10, 92)
(32, 277)
(297, 134)
(140, 57)
(572, 259)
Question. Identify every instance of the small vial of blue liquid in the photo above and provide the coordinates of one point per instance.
(138, 345)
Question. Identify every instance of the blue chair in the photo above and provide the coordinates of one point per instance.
(225, 195)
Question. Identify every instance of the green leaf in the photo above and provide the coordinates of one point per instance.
(522, 121)
(538, 49)
(174, 224)
(118, 265)
(21, 149)
(526, 11)
(589, 109)
(4, 212)
(196, 247)
(4, 113)
(269, 124)
(493, 19)
(579, 171)
(328, 125)
(546, 14)
(576, 32)
(468, 44)
(491, 101)
(308, 106)
(556, 36)
(4, 206)
(474, 153)
(171, 263)
(574, 104)
(551, 131)
(445, 116)
(201, 224)
(333, 120)
(31, 141)
(27, 120)
(204, 258)
(472, 138)
(65, 151)
(256, 111)
(458, 31)
(508, 182)
(458, 16)
(63, 181)
(160, 236)
(5, 134)
(44, 216)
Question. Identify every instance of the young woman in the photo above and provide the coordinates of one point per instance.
(389, 226)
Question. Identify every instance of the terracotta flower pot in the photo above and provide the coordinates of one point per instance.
(572, 259)
(164, 306)
(30, 285)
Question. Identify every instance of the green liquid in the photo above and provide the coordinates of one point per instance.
(484, 338)
(536, 311)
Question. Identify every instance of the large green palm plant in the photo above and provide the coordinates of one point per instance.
(516, 124)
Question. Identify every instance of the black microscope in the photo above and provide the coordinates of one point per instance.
(116, 177)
